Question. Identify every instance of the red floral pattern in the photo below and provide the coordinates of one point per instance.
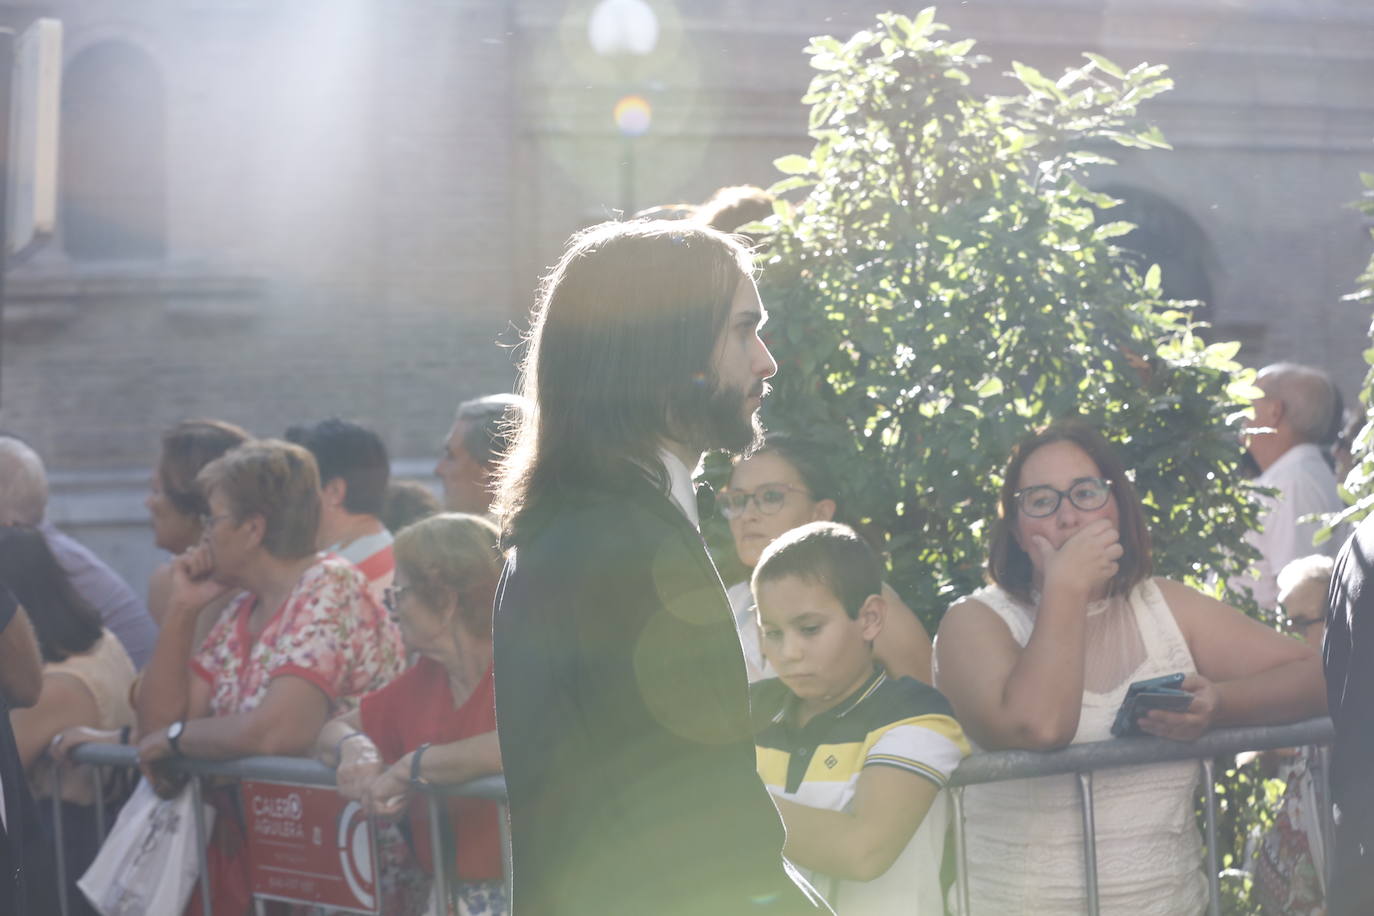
(330, 632)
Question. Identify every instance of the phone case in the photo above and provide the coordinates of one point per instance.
(1168, 680)
(1152, 693)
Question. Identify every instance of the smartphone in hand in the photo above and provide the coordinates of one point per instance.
(1142, 696)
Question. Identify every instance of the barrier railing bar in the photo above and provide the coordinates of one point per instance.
(59, 840)
(507, 853)
(956, 797)
(1321, 781)
(1085, 798)
(437, 852)
(202, 843)
(1209, 788)
(991, 766)
(996, 766)
(376, 862)
(98, 776)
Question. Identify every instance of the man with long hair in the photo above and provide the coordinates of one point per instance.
(621, 697)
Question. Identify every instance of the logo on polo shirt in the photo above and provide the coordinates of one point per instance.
(831, 762)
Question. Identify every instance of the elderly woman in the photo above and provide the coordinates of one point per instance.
(86, 678)
(1043, 657)
(303, 641)
(436, 722)
(783, 486)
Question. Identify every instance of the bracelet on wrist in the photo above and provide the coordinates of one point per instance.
(338, 745)
(415, 778)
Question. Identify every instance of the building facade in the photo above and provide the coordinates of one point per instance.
(279, 212)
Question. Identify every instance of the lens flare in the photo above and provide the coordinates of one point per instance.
(633, 115)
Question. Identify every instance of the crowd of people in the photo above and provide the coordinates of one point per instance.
(669, 745)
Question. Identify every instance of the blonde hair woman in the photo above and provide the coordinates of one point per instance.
(436, 722)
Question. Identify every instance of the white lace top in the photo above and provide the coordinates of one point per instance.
(1024, 837)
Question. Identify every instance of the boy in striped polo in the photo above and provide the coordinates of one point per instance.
(855, 760)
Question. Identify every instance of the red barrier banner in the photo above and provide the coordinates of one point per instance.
(308, 844)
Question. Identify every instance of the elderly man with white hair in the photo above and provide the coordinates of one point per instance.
(24, 501)
(1293, 418)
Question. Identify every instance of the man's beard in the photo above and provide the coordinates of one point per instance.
(725, 424)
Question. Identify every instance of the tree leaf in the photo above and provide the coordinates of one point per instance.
(793, 164)
(1105, 65)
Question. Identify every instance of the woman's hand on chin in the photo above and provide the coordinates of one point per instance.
(192, 585)
(1185, 726)
(1085, 562)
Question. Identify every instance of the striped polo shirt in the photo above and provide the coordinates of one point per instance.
(891, 722)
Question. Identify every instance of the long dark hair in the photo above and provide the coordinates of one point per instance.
(62, 620)
(1010, 567)
(620, 353)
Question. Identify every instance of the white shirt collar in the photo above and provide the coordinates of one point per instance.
(680, 486)
(1304, 454)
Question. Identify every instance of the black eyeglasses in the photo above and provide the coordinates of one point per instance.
(1298, 624)
(391, 598)
(1085, 493)
(769, 498)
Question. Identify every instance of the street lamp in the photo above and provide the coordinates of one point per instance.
(623, 31)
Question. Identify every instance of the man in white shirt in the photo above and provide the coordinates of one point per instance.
(479, 438)
(1294, 416)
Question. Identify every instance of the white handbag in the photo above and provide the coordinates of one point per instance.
(149, 862)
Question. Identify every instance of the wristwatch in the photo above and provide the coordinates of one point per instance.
(174, 735)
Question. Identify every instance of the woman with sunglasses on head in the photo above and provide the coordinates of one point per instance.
(783, 486)
(176, 505)
(437, 721)
(1043, 657)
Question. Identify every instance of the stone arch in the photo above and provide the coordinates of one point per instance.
(1166, 235)
(113, 203)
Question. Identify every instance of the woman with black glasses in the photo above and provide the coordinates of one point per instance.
(783, 486)
(1043, 657)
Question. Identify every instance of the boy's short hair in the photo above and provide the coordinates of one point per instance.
(828, 554)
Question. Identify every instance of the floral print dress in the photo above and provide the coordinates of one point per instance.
(329, 632)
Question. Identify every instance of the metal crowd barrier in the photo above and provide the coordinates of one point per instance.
(300, 770)
(1079, 761)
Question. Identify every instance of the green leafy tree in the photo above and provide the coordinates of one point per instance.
(940, 284)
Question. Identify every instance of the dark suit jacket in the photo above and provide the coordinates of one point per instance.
(1348, 657)
(623, 715)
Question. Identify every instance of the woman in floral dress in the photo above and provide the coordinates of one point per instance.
(302, 643)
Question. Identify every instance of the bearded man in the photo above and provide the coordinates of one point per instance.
(621, 696)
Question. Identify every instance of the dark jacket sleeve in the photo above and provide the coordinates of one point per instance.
(623, 717)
